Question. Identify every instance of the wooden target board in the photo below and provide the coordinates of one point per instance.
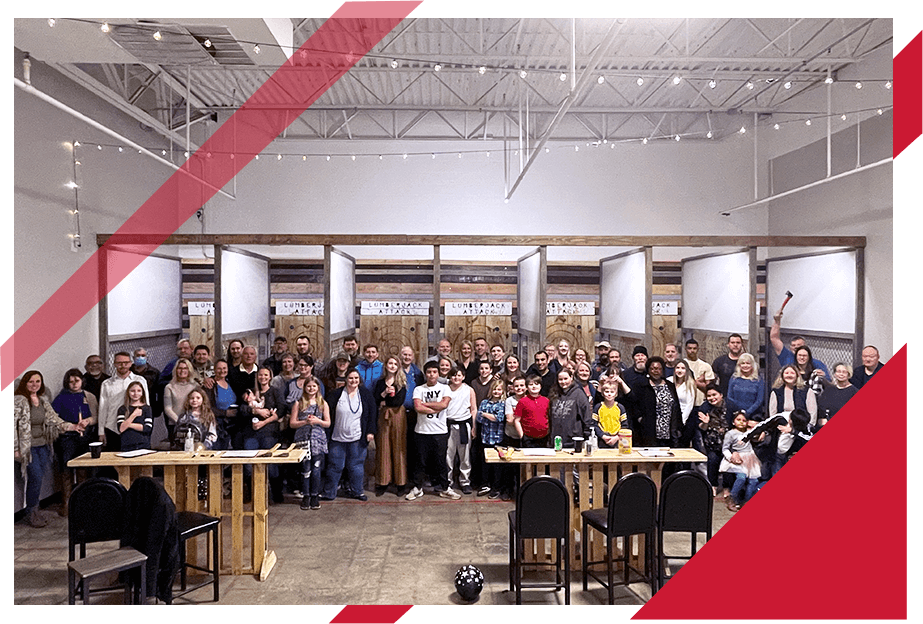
(311, 326)
(391, 333)
(579, 331)
(202, 331)
(496, 330)
(664, 329)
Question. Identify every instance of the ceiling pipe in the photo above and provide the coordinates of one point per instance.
(122, 139)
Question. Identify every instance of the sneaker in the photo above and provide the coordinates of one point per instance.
(414, 494)
(305, 502)
(484, 491)
(494, 495)
(298, 494)
(466, 489)
(450, 494)
(315, 503)
(359, 497)
(731, 505)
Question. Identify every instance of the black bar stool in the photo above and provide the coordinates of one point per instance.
(189, 525)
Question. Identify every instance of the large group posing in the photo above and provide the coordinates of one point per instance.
(430, 423)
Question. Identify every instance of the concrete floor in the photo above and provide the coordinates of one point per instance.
(384, 551)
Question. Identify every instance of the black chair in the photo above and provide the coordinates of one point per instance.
(542, 512)
(686, 502)
(632, 510)
(189, 525)
(151, 528)
(95, 513)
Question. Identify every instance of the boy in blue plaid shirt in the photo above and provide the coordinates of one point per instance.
(490, 420)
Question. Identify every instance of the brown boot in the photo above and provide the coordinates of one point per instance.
(66, 488)
(35, 519)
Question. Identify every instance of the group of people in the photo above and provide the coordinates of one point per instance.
(430, 424)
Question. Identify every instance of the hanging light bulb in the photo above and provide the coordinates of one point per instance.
(712, 84)
(888, 84)
(708, 134)
(523, 73)
(808, 122)
(677, 137)
(207, 43)
(676, 80)
(776, 127)
(163, 152)
(157, 36)
(353, 157)
(750, 85)
(644, 141)
(256, 49)
(304, 158)
(843, 116)
(278, 156)
(563, 76)
(51, 22)
(120, 149)
(437, 67)
(434, 156)
(547, 149)
(99, 147)
(879, 111)
(482, 70)
(76, 143)
(394, 64)
(828, 79)
(858, 85)
(379, 157)
(576, 148)
(788, 85)
(104, 27)
(405, 156)
(257, 156)
(459, 154)
(640, 81)
(743, 130)
(328, 157)
(601, 80)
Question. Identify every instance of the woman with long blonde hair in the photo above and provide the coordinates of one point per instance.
(391, 440)
(745, 389)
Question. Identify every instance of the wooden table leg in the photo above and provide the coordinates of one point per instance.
(237, 518)
(169, 481)
(215, 493)
(192, 504)
(124, 476)
(260, 511)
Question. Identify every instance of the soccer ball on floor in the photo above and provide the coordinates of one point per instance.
(469, 582)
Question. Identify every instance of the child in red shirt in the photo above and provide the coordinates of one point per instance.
(531, 415)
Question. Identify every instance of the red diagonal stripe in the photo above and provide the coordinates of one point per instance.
(826, 538)
(908, 94)
(336, 46)
(370, 614)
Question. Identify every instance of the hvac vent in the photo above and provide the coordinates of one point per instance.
(180, 45)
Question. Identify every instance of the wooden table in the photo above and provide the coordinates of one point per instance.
(601, 469)
(181, 481)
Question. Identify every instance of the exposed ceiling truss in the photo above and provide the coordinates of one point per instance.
(657, 78)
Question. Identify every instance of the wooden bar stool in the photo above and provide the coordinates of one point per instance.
(123, 559)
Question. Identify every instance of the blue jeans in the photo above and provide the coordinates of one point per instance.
(35, 474)
(740, 480)
(349, 456)
(312, 471)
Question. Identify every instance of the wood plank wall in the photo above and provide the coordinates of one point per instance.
(404, 281)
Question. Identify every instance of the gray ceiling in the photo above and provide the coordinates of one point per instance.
(727, 67)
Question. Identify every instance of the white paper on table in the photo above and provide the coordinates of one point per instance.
(538, 451)
(240, 453)
(137, 453)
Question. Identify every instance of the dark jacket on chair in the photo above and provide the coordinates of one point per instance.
(150, 527)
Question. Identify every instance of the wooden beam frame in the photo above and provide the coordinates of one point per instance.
(473, 239)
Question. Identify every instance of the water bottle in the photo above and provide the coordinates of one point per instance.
(189, 443)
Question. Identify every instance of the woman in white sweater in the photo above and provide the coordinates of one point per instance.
(174, 395)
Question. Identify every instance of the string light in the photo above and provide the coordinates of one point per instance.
(750, 85)
(256, 49)
(676, 80)
(563, 76)
(437, 67)
(99, 147)
(523, 73)
(708, 134)
(434, 156)
(104, 27)
(304, 158)
(743, 130)
(858, 85)
(601, 80)
(879, 111)
(677, 137)
(405, 156)
(807, 122)
(328, 157)
(712, 84)
(257, 156)
(828, 80)
(278, 156)
(888, 85)
(157, 36)
(644, 141)
(51, 22)
(776, 126)
(576, 148)
(482, 70)
(788, 85)
(843, 117)
(640, 81)
(353, 157)
(120, 149)
(394, 64)
(207, 43)
(76, 143)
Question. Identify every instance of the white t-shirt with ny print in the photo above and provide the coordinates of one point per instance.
(431, 424)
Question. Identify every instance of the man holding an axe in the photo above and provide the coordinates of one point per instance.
(787, 356)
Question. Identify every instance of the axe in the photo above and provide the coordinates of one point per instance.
(788, 297)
